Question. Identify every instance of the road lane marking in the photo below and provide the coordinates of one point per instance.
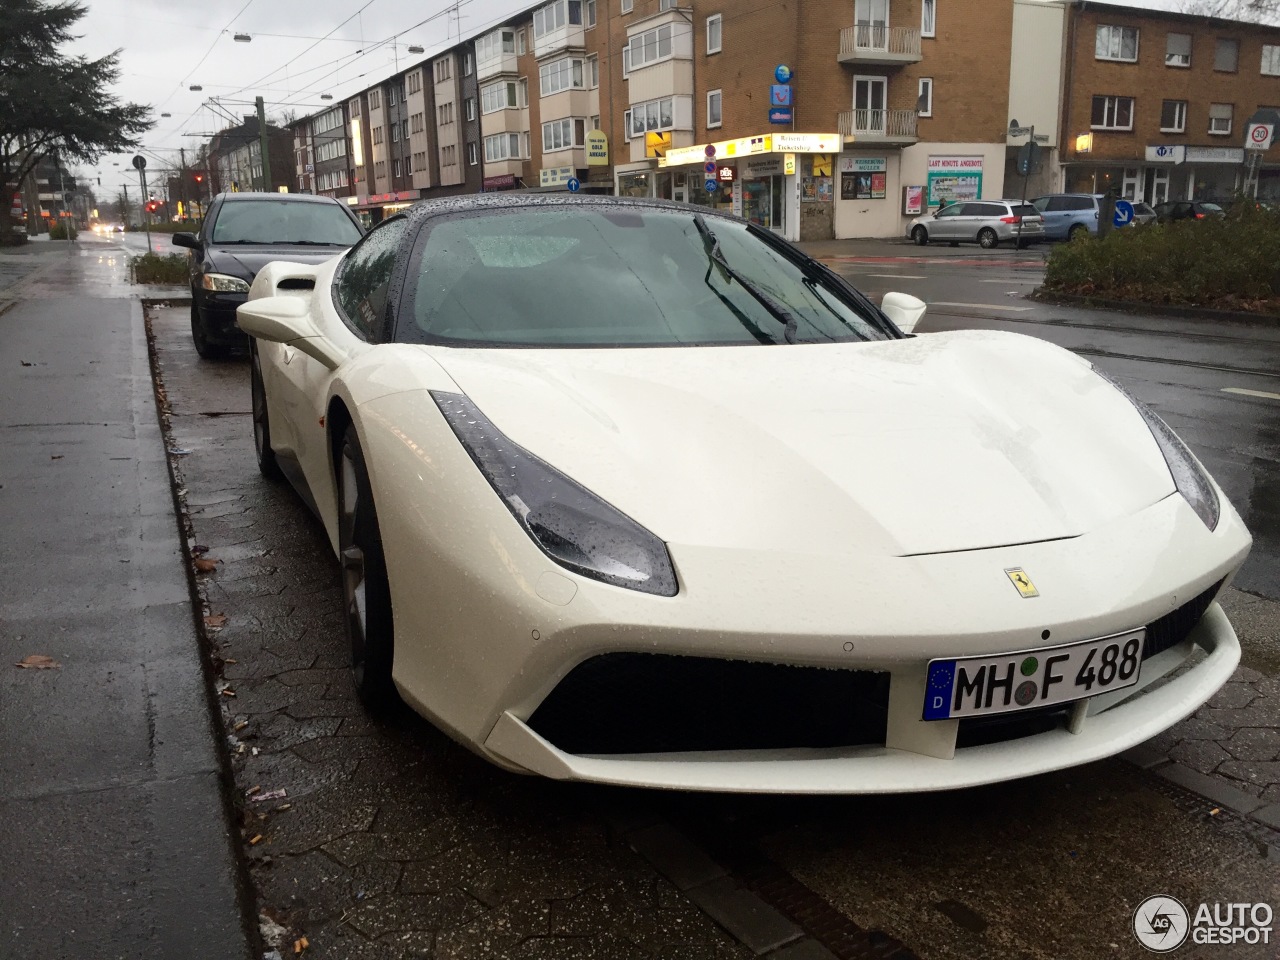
(1011, 280)
(894, 276)
(1241, 391)
(982, 306)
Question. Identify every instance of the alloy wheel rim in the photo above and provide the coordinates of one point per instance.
(259, 408)
(353, 566)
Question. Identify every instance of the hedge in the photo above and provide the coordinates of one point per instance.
(154, 268)
(1228, 263)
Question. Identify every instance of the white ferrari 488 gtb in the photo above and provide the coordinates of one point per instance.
(637, 493)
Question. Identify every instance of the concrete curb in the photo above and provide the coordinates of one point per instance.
(1160, 309)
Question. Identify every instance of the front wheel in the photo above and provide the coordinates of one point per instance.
(366, 592)
(1078, 231)
(920, 236)
(987, 239)
(267, 464)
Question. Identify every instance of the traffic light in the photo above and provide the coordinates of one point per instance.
(199, 176)
(153, 206)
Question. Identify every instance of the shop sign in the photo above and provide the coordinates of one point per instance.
(806, 142)
(954, 178)
(597, 148)
(726, 174)
(758, 167)
(743, 146)
(504, 182)
(789, 164)
(869, 185)
(1215, 154)
(913, 201)
(555, 176)
(401, 197)
(1166, 153)
(863, 165)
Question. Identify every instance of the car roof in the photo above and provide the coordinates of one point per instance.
(242, 196)
(1093, 196)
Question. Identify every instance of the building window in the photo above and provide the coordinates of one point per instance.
(593, 71)
(522, 45)
(503, 146)
(1226, 55)
(522, 92)
(1270, 60)
(473, 154)
(408, 165)
(498, 96)
(1220, 118)
(1116, 43)
(928, 18)
(626, 61)
(924, 103)
(714, 25)
(395, 168)
(714, 104)
(628, 6)
(1173, 116)
(492, 46)
(1112, 113)
(375, 101)
(1177, 50)
(560, 75)
(471, 108)
(391, 96)
(563, 134)
(665, 5)
(591, 13)
(595, 122)
(554, 16)
(626, 125)
(654, 115)
(404, 129)
(650, 47)
(395, 132)
(466, 64)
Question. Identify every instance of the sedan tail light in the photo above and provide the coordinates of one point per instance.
(1199, 216)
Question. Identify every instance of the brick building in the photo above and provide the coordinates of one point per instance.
(1157, 104)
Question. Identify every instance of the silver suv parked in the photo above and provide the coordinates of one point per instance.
(987, 223)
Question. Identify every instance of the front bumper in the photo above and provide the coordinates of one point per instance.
(218, 313)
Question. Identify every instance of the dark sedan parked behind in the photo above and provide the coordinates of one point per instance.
(1187, 210)
(242, 233)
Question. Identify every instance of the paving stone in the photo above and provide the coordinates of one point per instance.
(399, 913)
(1202, 755)
(495, 933)
(804, 950)
(675, 856)
(1233, 696)
(1216, 789)
(1254, 743)
(1262, 773)
(1269, 815)
(747, 917)
(1195, 728)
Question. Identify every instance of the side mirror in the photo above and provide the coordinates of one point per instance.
(285, 320)
(904, 310)
(189, 240)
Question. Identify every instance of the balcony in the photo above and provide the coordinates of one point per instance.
(877, 44)
(886, 127)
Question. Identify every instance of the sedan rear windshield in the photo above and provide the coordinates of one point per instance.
(621, 276)
(1025, 210)
(284, 221)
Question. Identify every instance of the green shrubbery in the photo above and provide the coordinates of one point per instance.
(1228, 263)
(154, 268)
(58, 231)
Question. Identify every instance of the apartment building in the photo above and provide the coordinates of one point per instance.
(331, 174)
(1157, 104)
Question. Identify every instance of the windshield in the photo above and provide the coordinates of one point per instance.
(284, 221)
(619, 276)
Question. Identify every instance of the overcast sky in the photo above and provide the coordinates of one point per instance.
(166, 47)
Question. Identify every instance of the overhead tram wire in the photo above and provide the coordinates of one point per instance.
(217, 37)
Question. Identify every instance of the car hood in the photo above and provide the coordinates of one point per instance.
(246, 261)
(944, 442)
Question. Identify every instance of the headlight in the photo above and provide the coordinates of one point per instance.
(1188, 476)
(573, 526)
(222, 283)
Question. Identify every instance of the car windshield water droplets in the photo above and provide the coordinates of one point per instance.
(571, 524)
(716, 256)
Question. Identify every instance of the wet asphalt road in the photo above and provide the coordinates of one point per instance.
(398, 843)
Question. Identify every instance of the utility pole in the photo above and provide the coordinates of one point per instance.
(66, 221)
(146, 214)
(264, 146)
(124, 214)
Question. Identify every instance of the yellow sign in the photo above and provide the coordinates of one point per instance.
(181, 212)
(822, 164)
(806, 142)
(597, 148)
(657, 144)
(741, 147)
(1018, 577)
(789, 164)
(1084, 143)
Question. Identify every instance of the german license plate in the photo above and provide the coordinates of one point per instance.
(977, 686)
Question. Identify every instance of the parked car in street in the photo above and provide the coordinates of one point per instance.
(244, 231)
(987, 223)
(1173, 210)
(1069, 215)
(639, 493)
(1143, 214)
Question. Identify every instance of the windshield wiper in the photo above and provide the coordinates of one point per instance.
(308, 243)
(777, 310)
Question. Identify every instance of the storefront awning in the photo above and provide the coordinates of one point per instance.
(752, 146)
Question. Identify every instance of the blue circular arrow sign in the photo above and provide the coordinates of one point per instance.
(574, 184)
(1124, 213)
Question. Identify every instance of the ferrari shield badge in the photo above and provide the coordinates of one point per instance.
(1019, 578)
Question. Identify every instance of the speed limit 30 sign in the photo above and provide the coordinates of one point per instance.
(1260, 135)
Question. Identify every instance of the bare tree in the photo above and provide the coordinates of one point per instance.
(1255, 11)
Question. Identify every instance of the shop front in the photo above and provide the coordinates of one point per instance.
(1166, 172)
(374, 209)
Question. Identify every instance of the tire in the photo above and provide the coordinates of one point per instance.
(1079, 230)
(954, 243)
(199, 336)
(920, 236)
(267, 464)
(987, 239)
(366, 592)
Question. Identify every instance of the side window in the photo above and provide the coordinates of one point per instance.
(1082, 203)
(992, 210)
(361, 287)
(1057, 204)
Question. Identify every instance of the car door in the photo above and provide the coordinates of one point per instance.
(1056, 216)
(359, 296)
(946, 221)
